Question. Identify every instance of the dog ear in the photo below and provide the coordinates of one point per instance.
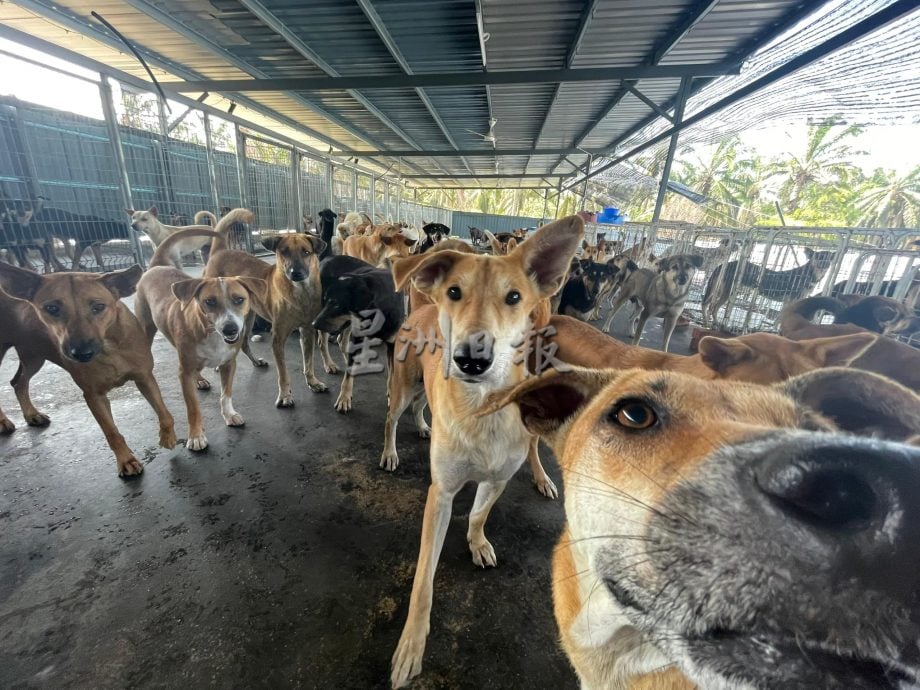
(129, 211)
(153, 211)
(493, 240)
(721, 354)
(18, 282)
(550, 401)
(185, 290)
(512, 244)
(122, 283)
(319, 246)
(696, 260)
(546, 256)
(809, 253)
(425, 269)
(271, 243)
(632, 265)
(257, 287)
(859, 402)
(661, 265)
(837, 351)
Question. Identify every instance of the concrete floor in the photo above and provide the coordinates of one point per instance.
(281, 557)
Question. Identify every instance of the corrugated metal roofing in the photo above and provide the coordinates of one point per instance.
(233, 39)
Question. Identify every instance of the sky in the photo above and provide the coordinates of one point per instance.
(893, 147)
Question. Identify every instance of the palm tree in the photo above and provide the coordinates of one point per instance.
(890, 201)
(715, 179)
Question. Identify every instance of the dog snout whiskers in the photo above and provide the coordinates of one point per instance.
(82, 351)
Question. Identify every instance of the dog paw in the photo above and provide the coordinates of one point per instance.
(483, 554)
(259, 363)
(331, 368)
(197, 443)
(407, 660)
(424, 432)
(343, 404)
(6, 426)
(129, 467)
(546, 487)
(203, 384)
(235, 420)
(389, 461)
(285, 401)
(257, 338)
(318, 386)
(38, 419)
(168, 438)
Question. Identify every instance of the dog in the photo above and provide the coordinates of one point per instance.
(418, 299)
(581, 294)
(755, 358)
(361, 301)
(434, 233)
(779, 286)
(657, 294)
(203, 318)
(327, 230)
(385, 243)
(502, 244)
(887, 356)
(291, 302)
(482, 313)
(594, 252)
(712, 256)
(79, 322)
(19, 237)
(874, 312)
(148, 222)
(477, 236)
(729, 535)
(86, 232)
(622, 267)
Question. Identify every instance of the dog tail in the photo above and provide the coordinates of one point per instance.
(231, 218)
(805, 309)
(206, 218)
(162, 256)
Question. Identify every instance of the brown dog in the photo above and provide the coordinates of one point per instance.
(483, 310)
(203, 318)
(79, 322)
(728, 535)
(418, 299)
(386, 242)
(292, 301)
(889, 357)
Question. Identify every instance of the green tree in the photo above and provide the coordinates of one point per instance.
(889, 200)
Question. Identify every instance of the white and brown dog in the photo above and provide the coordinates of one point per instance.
(149, 223)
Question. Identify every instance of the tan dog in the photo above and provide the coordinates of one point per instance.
(503, 243)
(482, 312)
(203, 318)
(384, 244)
(889, 357)
(728, 535)
(292, 301)
(79, 322)
(149, 223)
(418, 299)
(755, 358)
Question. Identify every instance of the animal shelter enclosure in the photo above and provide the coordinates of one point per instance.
(325, 374)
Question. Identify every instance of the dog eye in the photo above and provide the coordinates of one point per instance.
(306, 252)
(513, 297)
(454, 293)
(211, 302)
(98, 308)
(634, 414)
(238, 300)
(53, 309)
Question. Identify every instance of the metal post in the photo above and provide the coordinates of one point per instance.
(386, 201)
(545, 204)
(330, 178)
(168, 185)
(398, 200)
(373, 208)
(296, 199)
(118, 156)
(584, 189)
(558, 199)
(354, 190)
(672, 148)
(242, 175)
(212, 170)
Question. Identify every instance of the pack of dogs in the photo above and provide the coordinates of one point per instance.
(743, 517)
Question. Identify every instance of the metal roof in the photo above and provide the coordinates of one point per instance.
(418, 67)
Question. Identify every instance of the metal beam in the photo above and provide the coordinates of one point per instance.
(693, 16)
(682, 97)
(889, 14)
(411, 81)
(648, 101)
(499, 176)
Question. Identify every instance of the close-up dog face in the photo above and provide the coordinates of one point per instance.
(681, 268)
(744, 531)
(597, 275)
(485, 302)
(77, 309)
(224, 302)
(297, 254)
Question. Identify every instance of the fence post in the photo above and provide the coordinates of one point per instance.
(243, 177)
(330, 180)
(374, 198)
(354, 190)
(168, 185)
(212, 170)
(296, 191)
(118, 156)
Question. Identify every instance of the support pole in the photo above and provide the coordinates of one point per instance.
(330, 179)
(168, 185)
(545, 204)
(584, 189)
(354, 190)
(672, 148)
(296, 199)
(242, 175)
(558, 199)
(212, 169)
(373, 208)
(121, 168)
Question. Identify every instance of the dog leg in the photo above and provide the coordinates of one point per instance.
(328, 362)
(399, 394)
(307, 342)
(126, 461)
(667, 329)
(541, 480)
(28, 367)
(97, 255)
(285, 394)
(6, 425)
(149, 388)
(419, 403)
(486, 495)
(407, 660)
(613, 312)
(79, 248)
(639, 325)
(231, 416)
(247, 346)
(343, 402)
(196, 439)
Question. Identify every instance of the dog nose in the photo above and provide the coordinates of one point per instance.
(298, 275)
(230, 329)
(474, 358)
(82, 351)
(857, 501)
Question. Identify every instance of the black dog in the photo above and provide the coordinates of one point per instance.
(17, 236)
(85, 231)
(434, 233)
(477, 236)
(361, 303)
(326, 227)
(579, 295)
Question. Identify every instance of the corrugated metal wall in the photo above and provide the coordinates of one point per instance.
(461, 223)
